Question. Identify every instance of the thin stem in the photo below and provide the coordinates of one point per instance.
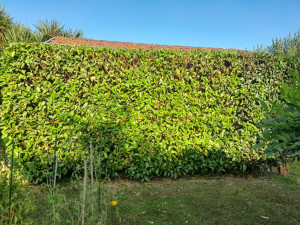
(54, 161)
(11, 176)
(55, 174)
(91, 157)
(84, 191)
(101, 143)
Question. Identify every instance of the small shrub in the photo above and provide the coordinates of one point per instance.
(282, 126)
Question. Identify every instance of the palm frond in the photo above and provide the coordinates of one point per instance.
(21, 33)
(49, 29)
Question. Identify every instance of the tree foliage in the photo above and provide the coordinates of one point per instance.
(11, 31)
(5, 24)
(49, 29)
(289, 46)
(21, 33)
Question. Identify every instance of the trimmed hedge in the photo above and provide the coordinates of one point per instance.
(163, 113)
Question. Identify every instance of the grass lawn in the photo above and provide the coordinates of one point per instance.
(201, 199)
(212, 200)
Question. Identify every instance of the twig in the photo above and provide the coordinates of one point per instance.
(91, 157)
(101, 143)
(11, 177)
(55, 173)
(54, 162)
(84, 191)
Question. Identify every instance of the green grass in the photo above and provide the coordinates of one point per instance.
(201, 199)
(213, 200)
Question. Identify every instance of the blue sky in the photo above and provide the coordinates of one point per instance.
(241, 24)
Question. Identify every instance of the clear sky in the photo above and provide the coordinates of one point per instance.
(241, 24)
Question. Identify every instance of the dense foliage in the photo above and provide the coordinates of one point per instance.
(49, 29)
(44, 31)
(282, 126)
(163, 113)
(5, 23)
(21, 33)
(289, 46)
(11, 31)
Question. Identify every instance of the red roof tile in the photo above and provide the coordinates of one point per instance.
(127, 45)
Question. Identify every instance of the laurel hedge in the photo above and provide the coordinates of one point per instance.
(162, 112)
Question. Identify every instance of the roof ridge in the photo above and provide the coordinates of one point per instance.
(127, 45)
(51, 39)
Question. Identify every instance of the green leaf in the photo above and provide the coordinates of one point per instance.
(264, 105)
